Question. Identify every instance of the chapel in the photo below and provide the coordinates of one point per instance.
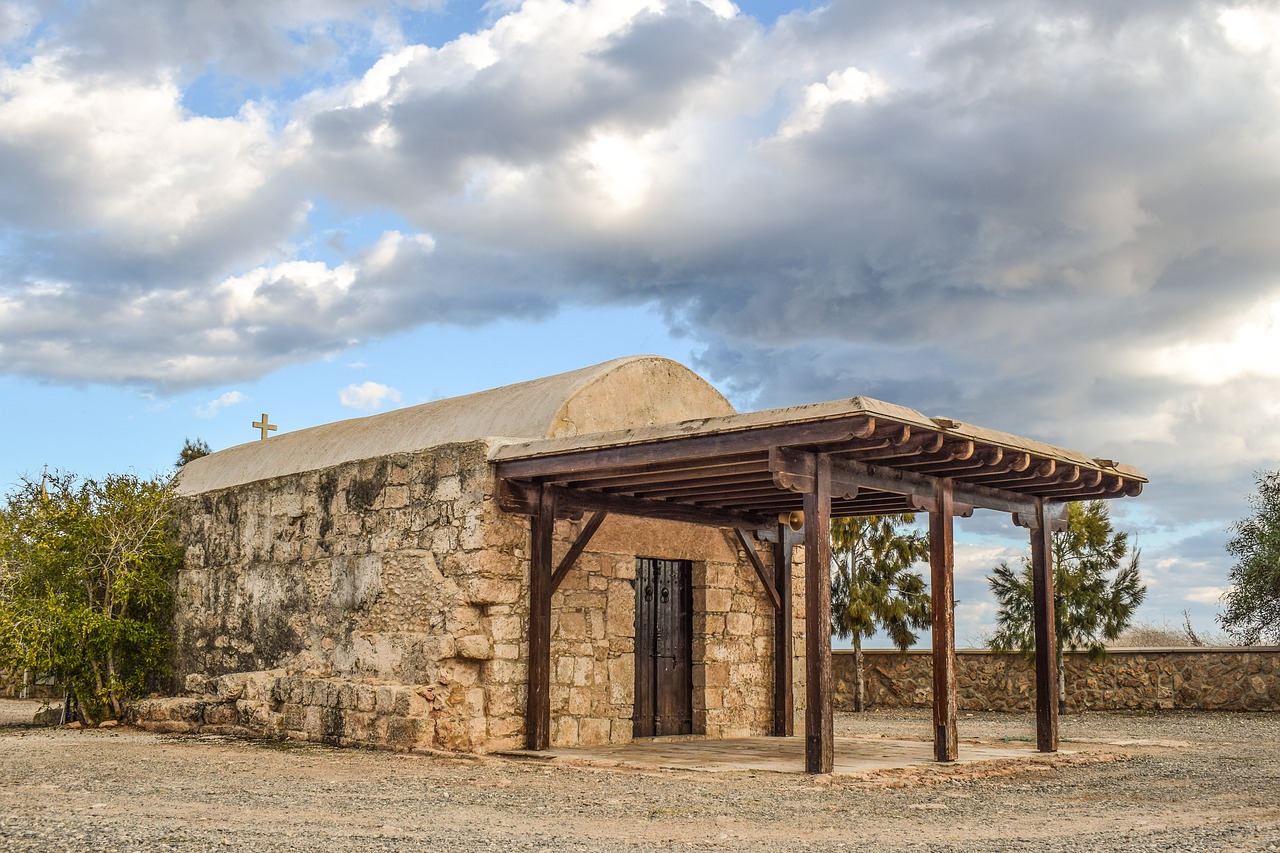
(593, 557)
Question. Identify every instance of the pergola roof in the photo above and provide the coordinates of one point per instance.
(743, 470)
(751, 471)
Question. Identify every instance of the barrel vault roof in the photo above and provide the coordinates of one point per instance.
(626, 393)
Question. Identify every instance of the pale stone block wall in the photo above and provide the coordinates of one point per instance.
(397, 574)
(385, 603)
(593, 632)
(1223, 679)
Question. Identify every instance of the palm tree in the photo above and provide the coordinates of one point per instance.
(872, 585)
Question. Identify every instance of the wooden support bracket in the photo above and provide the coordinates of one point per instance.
(765, 576)
(575, 550)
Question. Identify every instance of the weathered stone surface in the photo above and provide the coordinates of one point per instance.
(1228, 679)
(383, 602)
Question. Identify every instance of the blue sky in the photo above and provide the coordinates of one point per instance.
(1051, 218)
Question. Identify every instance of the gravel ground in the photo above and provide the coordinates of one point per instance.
(1186, 781)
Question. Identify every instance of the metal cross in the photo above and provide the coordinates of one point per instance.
(264, 425)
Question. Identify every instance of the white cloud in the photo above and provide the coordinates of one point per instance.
(975, 561)
(1205, 594)
(849, 86)
(211, 408)
(368, 396)
(1055, 221)
(16, 20)
(1251, 27)
(121, 158)
(1250, 346)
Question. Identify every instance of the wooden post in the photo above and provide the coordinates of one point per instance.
(819, 729)
(942, 591)
(1045, 634)
(538, 708)
(784, 706)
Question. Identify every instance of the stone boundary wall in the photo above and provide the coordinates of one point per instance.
(1210, 679)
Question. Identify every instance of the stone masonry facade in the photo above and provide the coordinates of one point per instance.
(383, 603)
(1223, 679)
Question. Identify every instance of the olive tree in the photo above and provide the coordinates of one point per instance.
(1253, 601)
(86, 571)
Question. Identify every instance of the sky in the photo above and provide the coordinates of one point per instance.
(1057, 219)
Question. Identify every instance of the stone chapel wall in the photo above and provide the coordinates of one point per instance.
(375, 603)
(384, 603)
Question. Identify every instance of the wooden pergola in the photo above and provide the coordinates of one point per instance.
(845, 458)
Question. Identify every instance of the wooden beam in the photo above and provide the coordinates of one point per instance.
(784, 705)
(620, 505)
(575, 550)
(758, 479)
(1045, 633)
(538, 706)
(761, 572)
(687, 449)
(921, 443)
(666, 473)
(518, 497)
(791, 471)
(942, 592)
(819, 729)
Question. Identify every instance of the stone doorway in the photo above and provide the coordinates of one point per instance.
(664, 648)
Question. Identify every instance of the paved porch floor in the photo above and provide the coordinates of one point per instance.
(773, 754)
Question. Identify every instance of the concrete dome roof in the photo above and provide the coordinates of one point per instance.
(625, 393)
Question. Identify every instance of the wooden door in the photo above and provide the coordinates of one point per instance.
(664, 648)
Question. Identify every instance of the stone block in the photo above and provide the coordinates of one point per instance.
(740, 624)
(593, 731)
(716, 675)
(569, 625)
(253, 715)
(622, 679)
(506, 671)
(184, 710)
(505, 732)
(503, 700)
(406, 733)
(198, 684)
(220, 713)
(490, 590)
(385, 698)
(718, 600)
(580, 702)
(313, 723)
(566, 732)
(474, 647)
(232, 687)
(292, 718)
(583, 671)
(506, 651)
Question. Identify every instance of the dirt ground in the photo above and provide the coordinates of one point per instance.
(1131, 781)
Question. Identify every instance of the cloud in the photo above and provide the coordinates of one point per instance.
(1206, 594)
(258, 41)
(211, 408)
(16, 21)
(368, 396)
(1051, 218)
